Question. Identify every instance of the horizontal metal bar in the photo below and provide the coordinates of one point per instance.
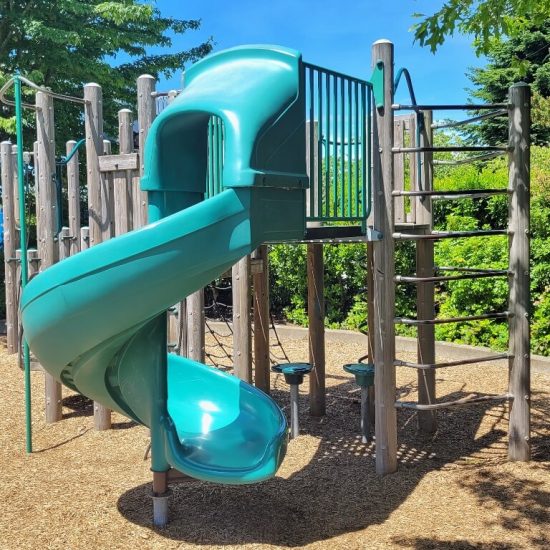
(432, 366)
(455, 123)
(450, 149)
(313, 67)
(469, 400)
(466, 194)
(444, 278)
(475, 158)
(435, 235)
(417, 322)
(465, 269)
(463, 107)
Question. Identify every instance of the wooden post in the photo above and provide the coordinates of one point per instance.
(519, 440)
(122, 192)
(315, 280)
(260, 283)
(425, 299)
(413, 169)
(98, 222)
(84, 238)
(242, 345)
(107, 199)
(371, 312)
(399, 169)
(73, 196)
(316, 318)
(64, 243)
(195, 326)
(11, 244)
(146, 115)
(46, 220)
(383, 262)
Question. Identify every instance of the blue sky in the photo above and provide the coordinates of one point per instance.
(335, 34)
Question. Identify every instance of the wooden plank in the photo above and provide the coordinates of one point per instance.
(73, 198)
(195, 326)
(316, 317)
(16, 206)
(242, 342)
(122, 193)
(146, 114)
(46, 221)
(84, 238)
(64, 243)
(399, 171)
(383, 262)
(425, 298)
(519, 436)
(107, 197)
(98, 222)
(114, 163)
(313, 190)
(11, 244)
(260, 281)
(413, 168)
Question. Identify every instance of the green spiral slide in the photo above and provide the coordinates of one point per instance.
(97, 322)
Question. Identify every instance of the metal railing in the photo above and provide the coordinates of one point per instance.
(338, 138)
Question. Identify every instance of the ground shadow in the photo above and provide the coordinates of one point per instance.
(80, 405)
(337, 492)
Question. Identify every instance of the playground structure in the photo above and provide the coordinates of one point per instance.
(401, 210)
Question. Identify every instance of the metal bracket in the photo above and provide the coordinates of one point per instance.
(377, 82)
(373, 234)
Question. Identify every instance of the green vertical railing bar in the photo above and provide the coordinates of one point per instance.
(342, 201)
(357, 118)
(350, 124)
(24, 271)
(335, 148)
(343, 145)
(320, 145)
(312, 186)
(367, 181)
(326, 212)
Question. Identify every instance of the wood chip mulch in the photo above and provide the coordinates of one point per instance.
(83, 489)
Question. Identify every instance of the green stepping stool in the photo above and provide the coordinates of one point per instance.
(294, 375)
(364, 378)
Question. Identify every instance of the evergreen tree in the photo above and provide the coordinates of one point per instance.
(524, 57)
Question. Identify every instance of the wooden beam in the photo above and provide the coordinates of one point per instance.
(260, 280)
(316, 318)
(98, 222)
(195, 326)
(11, 244)
(46, 220)
(242, 342)
(146, 114)
(425, 298)
(383, 262)
(73, 197)
(114, 163)
(122, 192)
(519, 436)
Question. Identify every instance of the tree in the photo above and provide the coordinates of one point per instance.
(531, 50)
(488, 21)
(66, 43)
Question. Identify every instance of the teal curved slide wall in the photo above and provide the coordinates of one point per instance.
(97, 322)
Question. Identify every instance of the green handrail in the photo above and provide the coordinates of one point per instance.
(24, 269)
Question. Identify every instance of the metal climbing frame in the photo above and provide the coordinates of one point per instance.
(517, 232)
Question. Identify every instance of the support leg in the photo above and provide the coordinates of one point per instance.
(160, 499)
(365, 416)
(294, 418)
